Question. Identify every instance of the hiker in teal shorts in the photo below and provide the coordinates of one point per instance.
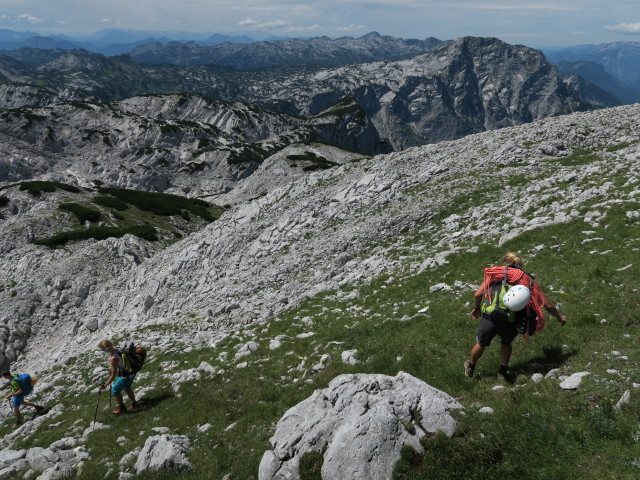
(118, 378)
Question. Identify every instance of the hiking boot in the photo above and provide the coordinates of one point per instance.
(39, 409)
(502, 374)
(119, 410)
(468, 368)
(134, 406)
(16, 425)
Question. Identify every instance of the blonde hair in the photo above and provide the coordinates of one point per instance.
(105, 345)
(512, 258)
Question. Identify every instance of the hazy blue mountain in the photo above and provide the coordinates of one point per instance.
(621, 59)
(217, 39)
(7, 35)
(596, 74)
(294, 51)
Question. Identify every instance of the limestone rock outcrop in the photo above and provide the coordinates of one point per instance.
(359, 422)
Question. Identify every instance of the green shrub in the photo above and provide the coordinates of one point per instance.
(110, 202)
(161, 203)
(36, 187)
(82, 213)
(317, 162)
(145, 232)
(4, 201)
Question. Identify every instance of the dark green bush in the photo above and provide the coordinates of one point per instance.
(110, 202)
(317, 162)
(4, 201)
(161, 203)
(145, 232)
(83, 214)
(36, 187)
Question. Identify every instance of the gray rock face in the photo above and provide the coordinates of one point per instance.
(163, 453)
(360, 422)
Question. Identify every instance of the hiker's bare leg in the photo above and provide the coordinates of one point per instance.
(16, 410)
(131, 395)
(119, 399)
(505, 354)
(476, 353)
(31, 404)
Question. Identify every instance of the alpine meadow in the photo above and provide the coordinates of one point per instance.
(294, 231)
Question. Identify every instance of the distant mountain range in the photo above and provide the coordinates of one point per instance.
(614, 67)
(466, 86)
(321, 51)
(108, 42)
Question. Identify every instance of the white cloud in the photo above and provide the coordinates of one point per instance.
(30, 18)
(350, 28)
(304, 29)
(256, 24)
(247, 22)
(105, 20)
(624, 28)
(272, 24)
(516, 6)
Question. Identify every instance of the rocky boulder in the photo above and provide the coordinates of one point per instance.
(360, 423)
(162, 453)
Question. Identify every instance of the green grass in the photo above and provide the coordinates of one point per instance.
(578, 157)
(538, 431)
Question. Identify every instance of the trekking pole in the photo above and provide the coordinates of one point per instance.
(95, 415)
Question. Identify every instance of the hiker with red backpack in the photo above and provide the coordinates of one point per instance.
(21, 386)
(120, 377)
(509, 302)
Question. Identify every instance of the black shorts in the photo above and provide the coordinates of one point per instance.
(488, 329)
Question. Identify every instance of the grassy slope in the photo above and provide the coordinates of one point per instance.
(538, 431)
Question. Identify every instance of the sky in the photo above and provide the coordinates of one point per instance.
(544, 23)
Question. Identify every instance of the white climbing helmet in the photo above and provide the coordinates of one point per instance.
(517, 298)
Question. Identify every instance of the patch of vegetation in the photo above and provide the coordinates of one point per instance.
(348, 106)
(578, 157)
(168, 129)
(145, 232)
(82, 213)
(620, 146)
(104, 135)
(4, 201)
(110, 202)
(311, 465)
(36, 187)
(163, 203)
(248, 153)
(317, 162)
